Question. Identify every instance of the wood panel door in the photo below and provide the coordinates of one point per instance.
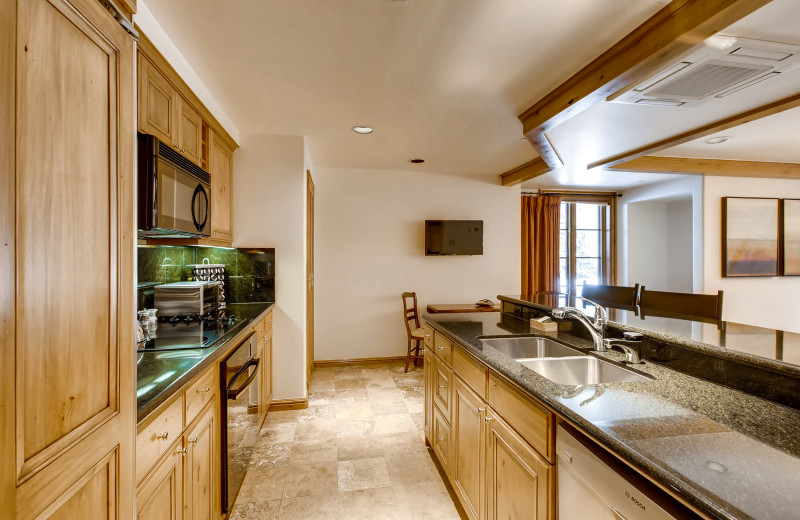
(468, 465)
(160, 496)
(201, 486)
(157, 104)
(310, 193)
(221, 169)
(429, 365)
(190, 131)
(67, 405)
(519, 482)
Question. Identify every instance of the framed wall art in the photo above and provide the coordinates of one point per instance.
(750, 237)
(791, 236)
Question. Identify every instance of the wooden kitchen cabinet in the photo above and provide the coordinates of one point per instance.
(519, 482)
(429, 364)
(157, 104)
(161, 495)
(190, 131)
(467, 468)
(201, 486)
(67, 389)
(220, 165)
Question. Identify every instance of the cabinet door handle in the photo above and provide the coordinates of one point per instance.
(481, 410)
(270, 322)
(422, 351)
(427, 335)
(193, 441)
(182, 451)
(488, 419)
(441, 439)
(162, 436)
(203, 390)
(442, 387)
(175, 146)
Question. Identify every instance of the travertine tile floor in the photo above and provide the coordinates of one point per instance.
(356, 453)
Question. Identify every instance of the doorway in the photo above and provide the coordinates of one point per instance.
(309, 277)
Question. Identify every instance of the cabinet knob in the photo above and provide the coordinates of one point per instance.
(163, 436)
(422, 351)
(481, 410)
(182, 451)
(427, 335)
(175, 146)
(440, 347)
(442, 386)
(203, 390)
(193, 441)
(270, 322)
(441, 439)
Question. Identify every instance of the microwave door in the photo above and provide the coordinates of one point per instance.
(175, 199)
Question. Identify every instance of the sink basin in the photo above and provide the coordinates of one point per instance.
(529, 347)
(584, 370)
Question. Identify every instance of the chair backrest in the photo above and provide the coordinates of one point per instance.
(612, 294)
(687, 306)
(410, 311)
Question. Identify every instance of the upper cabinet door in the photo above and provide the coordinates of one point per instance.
(157, 104)
(221, 170)
(70, 224)
(190, 131)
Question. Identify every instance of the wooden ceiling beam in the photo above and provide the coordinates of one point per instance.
(664, 37)
(525, 172)
(714, 167)
(712, 128)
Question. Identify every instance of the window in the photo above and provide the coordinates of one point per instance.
(585, 243)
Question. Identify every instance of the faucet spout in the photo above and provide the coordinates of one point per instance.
(627, 345)
(595, 329)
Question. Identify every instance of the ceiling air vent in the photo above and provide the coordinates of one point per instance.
(720, 66)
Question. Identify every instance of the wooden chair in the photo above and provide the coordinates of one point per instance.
(685, 306)
(615, 296)
(415, 333)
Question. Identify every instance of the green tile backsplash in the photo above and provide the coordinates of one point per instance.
(250, 272)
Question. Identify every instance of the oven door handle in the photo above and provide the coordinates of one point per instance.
(235, 393)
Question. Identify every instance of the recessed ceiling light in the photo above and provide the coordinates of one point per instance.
(417, 161)
(363, 129)
(716, 140)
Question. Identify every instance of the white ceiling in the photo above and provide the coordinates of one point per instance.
(439, 79)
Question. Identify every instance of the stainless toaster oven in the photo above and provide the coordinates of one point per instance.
(189, 298)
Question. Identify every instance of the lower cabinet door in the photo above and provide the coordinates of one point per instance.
(441, 434)
(201, 487)
(428, 367)
(467, 467)
(265, 371)
(160, 495)
(519, 481)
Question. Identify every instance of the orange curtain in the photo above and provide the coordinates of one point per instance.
(540, 228)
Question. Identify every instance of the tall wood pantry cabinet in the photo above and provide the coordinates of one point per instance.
(67, 390)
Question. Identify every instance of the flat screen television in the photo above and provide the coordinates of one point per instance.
(453, 237)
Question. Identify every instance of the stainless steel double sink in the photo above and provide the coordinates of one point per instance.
(561, 363)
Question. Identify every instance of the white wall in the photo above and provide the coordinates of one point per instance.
(680, 239)
(764, 302)
(370, 248)
(269, 211)
(150, 27)
(637, 245)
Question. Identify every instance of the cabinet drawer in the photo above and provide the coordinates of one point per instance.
(200, 393)
(442, 440)
(533, 423)
(443, 387)
(473, 372)
(443, 347)
(156, 438)
(428, 335)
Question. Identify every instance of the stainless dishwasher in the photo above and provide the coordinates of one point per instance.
(592, 484)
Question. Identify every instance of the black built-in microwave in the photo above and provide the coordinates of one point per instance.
(174, 193)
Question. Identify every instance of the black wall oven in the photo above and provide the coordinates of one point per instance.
(174, 193)
(239, 429)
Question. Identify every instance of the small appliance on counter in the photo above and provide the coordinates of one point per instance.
(207, 272)
(189, 298)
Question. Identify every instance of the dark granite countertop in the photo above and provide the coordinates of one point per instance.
(774, 349)
(673, 428)
(159, 375)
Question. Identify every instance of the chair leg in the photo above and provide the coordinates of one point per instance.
(408, 355)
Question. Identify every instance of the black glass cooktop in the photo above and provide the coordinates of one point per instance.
(188, 333)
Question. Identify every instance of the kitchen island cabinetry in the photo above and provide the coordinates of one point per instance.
(497, 471)
(67, 392)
